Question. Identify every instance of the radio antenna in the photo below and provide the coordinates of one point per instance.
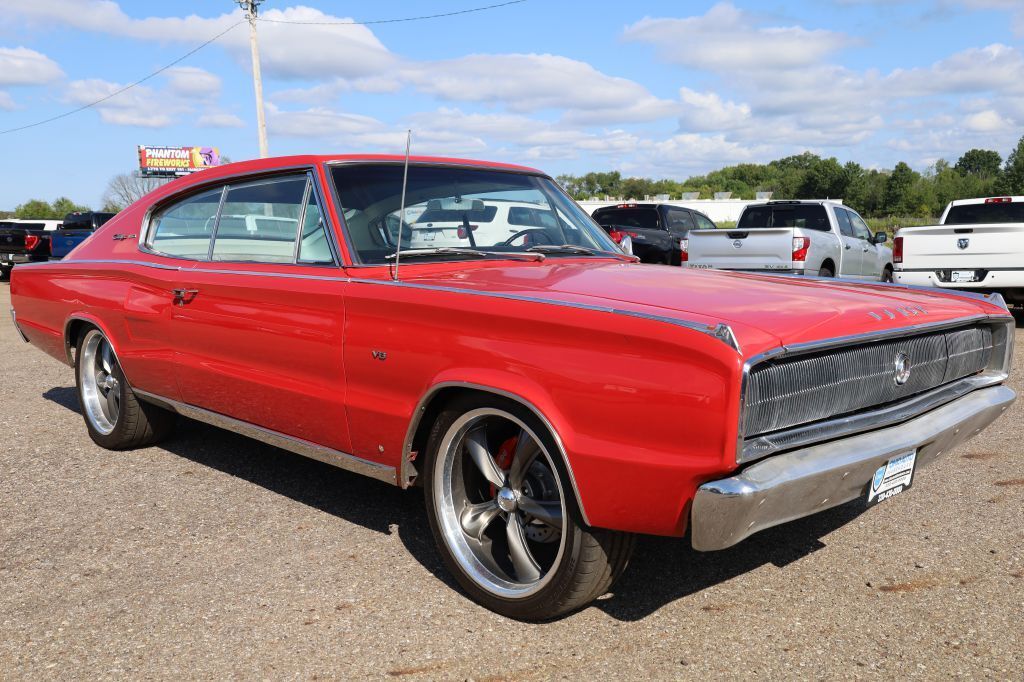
(401, 206)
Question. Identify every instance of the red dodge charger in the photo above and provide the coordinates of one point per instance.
(466, 327)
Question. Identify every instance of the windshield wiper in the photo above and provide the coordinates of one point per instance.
(582, 250)
(439, 251)
(459, 251)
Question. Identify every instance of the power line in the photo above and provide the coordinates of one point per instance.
(392, 21)
(229, 28)
(125, 88)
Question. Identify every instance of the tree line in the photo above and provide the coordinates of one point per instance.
(900, 191)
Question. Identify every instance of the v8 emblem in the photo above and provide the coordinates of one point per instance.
(379, 355)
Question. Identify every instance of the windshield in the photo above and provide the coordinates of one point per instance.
(808, 216)
(642, 218)
(485, 210)
(977, 214)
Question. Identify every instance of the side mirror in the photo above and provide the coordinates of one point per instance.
(881, 237)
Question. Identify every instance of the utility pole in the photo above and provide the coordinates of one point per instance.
(251, 7)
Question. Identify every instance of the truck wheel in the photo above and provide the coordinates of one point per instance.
(5, 274)
(503, 515)
(887, 275)
(116, 419)
(825, 271)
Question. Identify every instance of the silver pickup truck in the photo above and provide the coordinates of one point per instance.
(821, 238)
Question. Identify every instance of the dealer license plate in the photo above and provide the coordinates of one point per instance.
(892, 478)
(963, 276)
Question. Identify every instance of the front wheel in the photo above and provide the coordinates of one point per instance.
(116, 419)
(496, 494)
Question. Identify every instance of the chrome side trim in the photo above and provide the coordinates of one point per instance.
(803, 482)
(408, 472)
(720, 331)
(799, 436)
(342, 460)
(14, 319)
(825, 344)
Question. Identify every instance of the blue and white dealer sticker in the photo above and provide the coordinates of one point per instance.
(892, 478)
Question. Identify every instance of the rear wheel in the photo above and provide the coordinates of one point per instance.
(825, 271)
(5, 274)
(496, 494)
(887, 274)
(116, 419)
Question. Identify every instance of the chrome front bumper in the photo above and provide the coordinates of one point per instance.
(803, 482)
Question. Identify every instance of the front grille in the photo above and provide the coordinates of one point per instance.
(793, 391)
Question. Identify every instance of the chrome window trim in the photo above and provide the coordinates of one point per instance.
(353, 253)
(407, 472)
(299, 446)
(233, 179)
(999, 374)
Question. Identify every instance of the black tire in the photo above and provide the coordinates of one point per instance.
(825, 271)
(887, 275)
(5, 274)
(589, 561)
(136, 423)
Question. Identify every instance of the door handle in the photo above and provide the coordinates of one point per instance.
(183, 296)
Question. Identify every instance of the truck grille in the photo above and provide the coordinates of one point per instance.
(794, 391)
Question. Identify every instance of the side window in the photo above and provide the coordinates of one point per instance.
(260, 220)
(860, 228)
(845, 226)
(313, 245)
(679, 220)
(184, 229)
(703, 222)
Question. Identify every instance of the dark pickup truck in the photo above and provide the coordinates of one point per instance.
(76, 228)
(655, 229)
(24, 241)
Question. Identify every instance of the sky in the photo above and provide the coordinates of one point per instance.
(657, 89)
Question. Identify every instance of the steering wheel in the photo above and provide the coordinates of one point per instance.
(527, 232)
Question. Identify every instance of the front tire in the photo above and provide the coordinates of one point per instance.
(504, 518)
(116, 419)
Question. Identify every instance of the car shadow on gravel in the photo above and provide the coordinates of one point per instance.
(662, 569)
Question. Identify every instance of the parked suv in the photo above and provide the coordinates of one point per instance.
(656, 230)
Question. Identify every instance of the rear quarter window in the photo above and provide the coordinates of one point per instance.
(979, 214)
(806, 216)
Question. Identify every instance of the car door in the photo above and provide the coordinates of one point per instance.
(679, 223)
(871, 265)
(852, 255)
(259, 316)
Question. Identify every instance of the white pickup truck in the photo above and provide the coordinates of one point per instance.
(978, 245)
(821, 238)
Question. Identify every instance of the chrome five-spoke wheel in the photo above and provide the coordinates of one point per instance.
(504, 514)
(101, 388)
(501, 502)
(115, 417)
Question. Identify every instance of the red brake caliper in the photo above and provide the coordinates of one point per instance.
(504, 459)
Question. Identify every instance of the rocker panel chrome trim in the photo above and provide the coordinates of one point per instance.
(342, 460)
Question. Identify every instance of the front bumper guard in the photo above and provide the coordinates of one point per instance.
(803, 482)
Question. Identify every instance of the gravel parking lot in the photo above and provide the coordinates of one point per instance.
(216, 556)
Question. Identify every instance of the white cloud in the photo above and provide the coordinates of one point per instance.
(286, 51)
(192, 81)
(219, 120)
(141, 106)
(708, 111)
(6, 101)
(987, 121)
(22, 66)
(726, 39)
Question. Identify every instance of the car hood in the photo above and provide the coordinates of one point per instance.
(763, 310)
